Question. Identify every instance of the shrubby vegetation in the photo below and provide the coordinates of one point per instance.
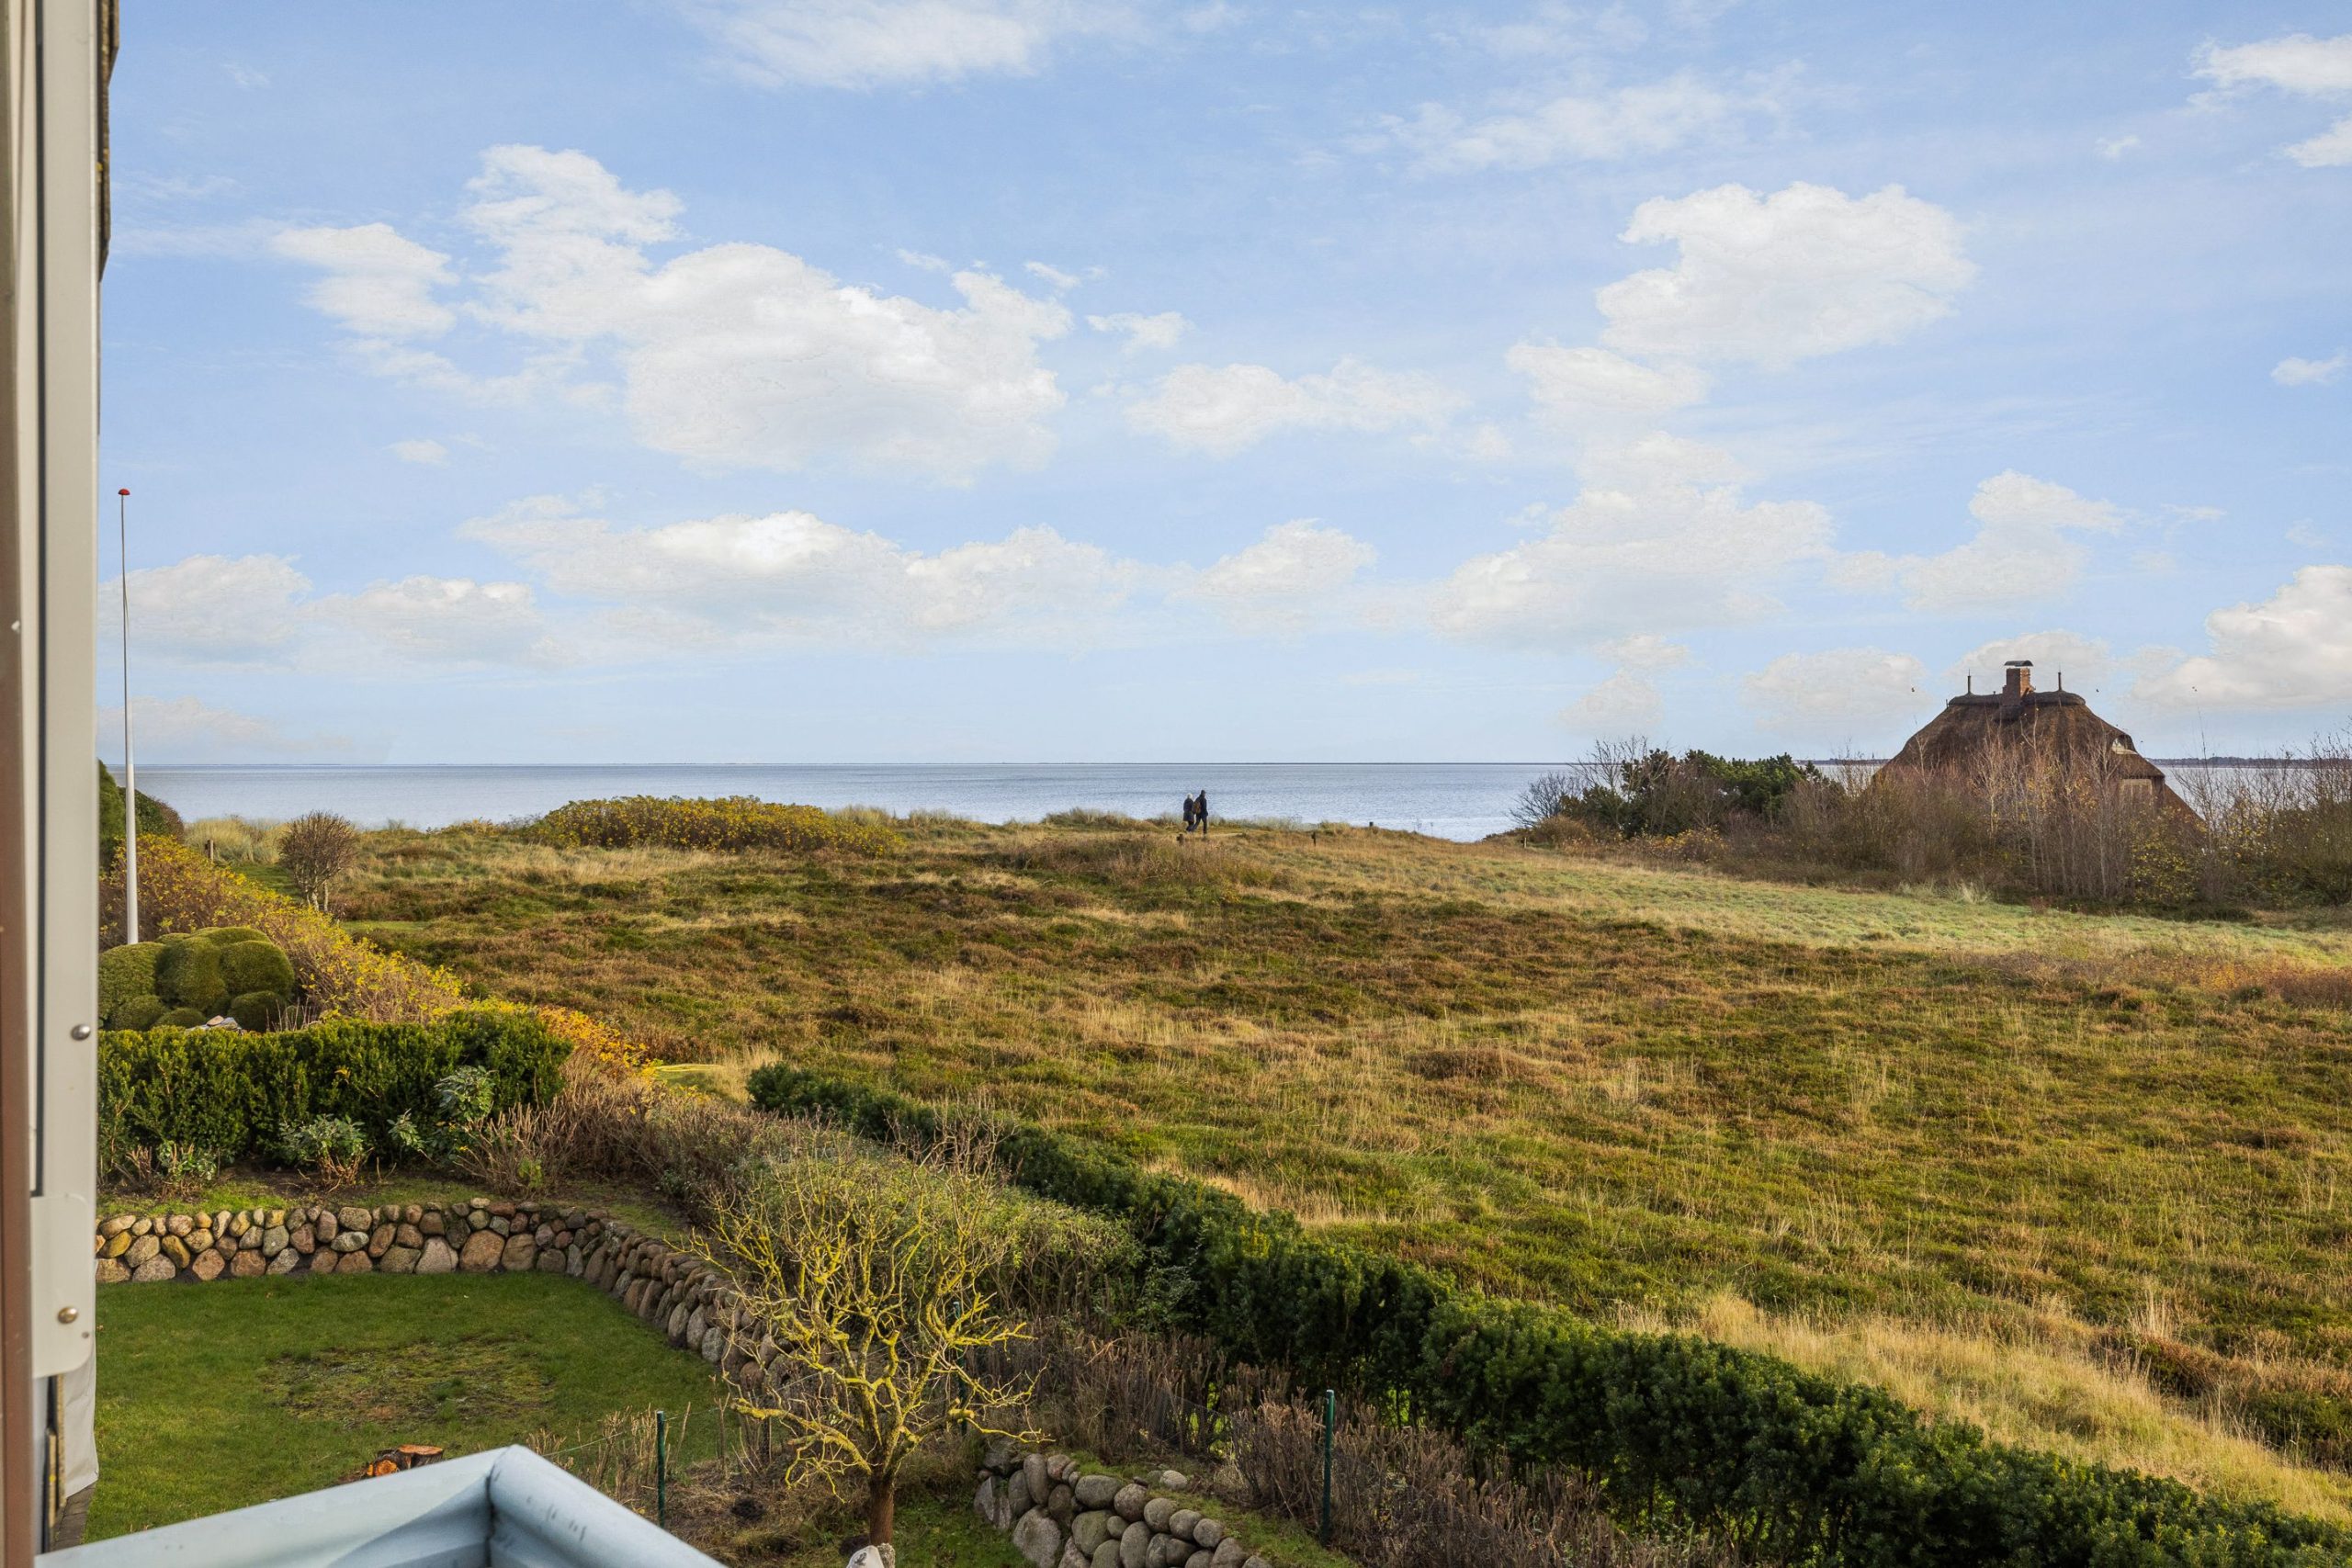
(156, 818)
(181, 891)
(315, 850)
(220, 1096)
(2276, 835)
(190, 977)
(734, 822)
(1786, 1465)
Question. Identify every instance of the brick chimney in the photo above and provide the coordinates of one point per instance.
(2018, 679)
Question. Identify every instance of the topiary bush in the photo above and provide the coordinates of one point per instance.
(187, 975)
(126, 973)
(181, 1018)
(256, 964)
(226, 969)
(136, 1012)
(256, 1011)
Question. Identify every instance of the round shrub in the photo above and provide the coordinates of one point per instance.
(230, 936)
(181, 1018)
(187, 975)
(138, 1013)
(257, 966)
(125, 973)
(258, 1010)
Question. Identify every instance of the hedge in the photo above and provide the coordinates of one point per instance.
(1680, 1430)
(230, 1093)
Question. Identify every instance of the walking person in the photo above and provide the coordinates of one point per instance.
(1189, 815)
(1201, 808)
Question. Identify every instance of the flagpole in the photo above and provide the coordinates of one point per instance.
(129, 761)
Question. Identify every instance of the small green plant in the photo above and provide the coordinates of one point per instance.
(185, 1168)
(330, 1145)
(405, 1136)
(466, 1097)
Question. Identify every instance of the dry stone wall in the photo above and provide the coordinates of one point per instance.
(1060, 1516)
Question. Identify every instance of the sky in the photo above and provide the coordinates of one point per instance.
(1041, 381)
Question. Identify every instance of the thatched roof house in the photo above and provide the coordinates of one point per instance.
(1980, 739)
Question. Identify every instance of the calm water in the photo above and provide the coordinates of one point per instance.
(1451, 800)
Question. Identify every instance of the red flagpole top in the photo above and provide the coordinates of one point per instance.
(122, 492)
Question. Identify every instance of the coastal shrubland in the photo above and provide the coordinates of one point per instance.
(2270, 834)
(1619, 1086)
(734, 822)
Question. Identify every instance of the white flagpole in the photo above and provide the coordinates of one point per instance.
(129, 762)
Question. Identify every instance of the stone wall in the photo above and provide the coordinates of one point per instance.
(675, 1293)
(1062, 1518)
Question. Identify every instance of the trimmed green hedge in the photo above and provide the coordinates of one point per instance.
(1794, 1467)
(230, 1093)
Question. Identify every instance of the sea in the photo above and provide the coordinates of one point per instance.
(1447, 800)
(1444, 800)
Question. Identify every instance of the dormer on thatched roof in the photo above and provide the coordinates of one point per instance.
(1977, 734)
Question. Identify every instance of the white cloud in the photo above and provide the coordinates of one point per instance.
(2084, 661)
(1052, 276)
(1645, 650)
(260, 610)
(2113, 147)
(377, 284)
(2293, 372)
(792, 577)
(1814, 693)
(1656, 117)
(1774, 280)
(208, 609)
(869, 43)
(733, 356)
(1222, 410)
(428, 452)
(187, 730)
(2331, 149)
(1297, 574)
(1624, 703)
(1576, 387)
(2301, 64)
(2297, 64)
(452, 620)
(246, 77)
(1658, 538)
(1165, 330)
(923, 260)
(2293, 651)
(2024, 550)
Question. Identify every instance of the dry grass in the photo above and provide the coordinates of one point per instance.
(2042, 1380)
(1620, 1087)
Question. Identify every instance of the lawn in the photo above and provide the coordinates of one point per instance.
(1896, 1134)
(216, 1396)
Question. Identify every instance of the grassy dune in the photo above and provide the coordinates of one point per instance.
(2082, 1178)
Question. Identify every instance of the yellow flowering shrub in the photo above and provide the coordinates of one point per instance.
(732, 822)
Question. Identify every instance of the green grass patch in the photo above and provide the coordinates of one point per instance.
(213, 1397)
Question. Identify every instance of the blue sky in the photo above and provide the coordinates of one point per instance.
(882, 381)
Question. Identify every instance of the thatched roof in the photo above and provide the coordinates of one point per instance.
(2041, 729)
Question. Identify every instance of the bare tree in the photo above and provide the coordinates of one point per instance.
(317, 848)
(875, 1279)
(1545, 796)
